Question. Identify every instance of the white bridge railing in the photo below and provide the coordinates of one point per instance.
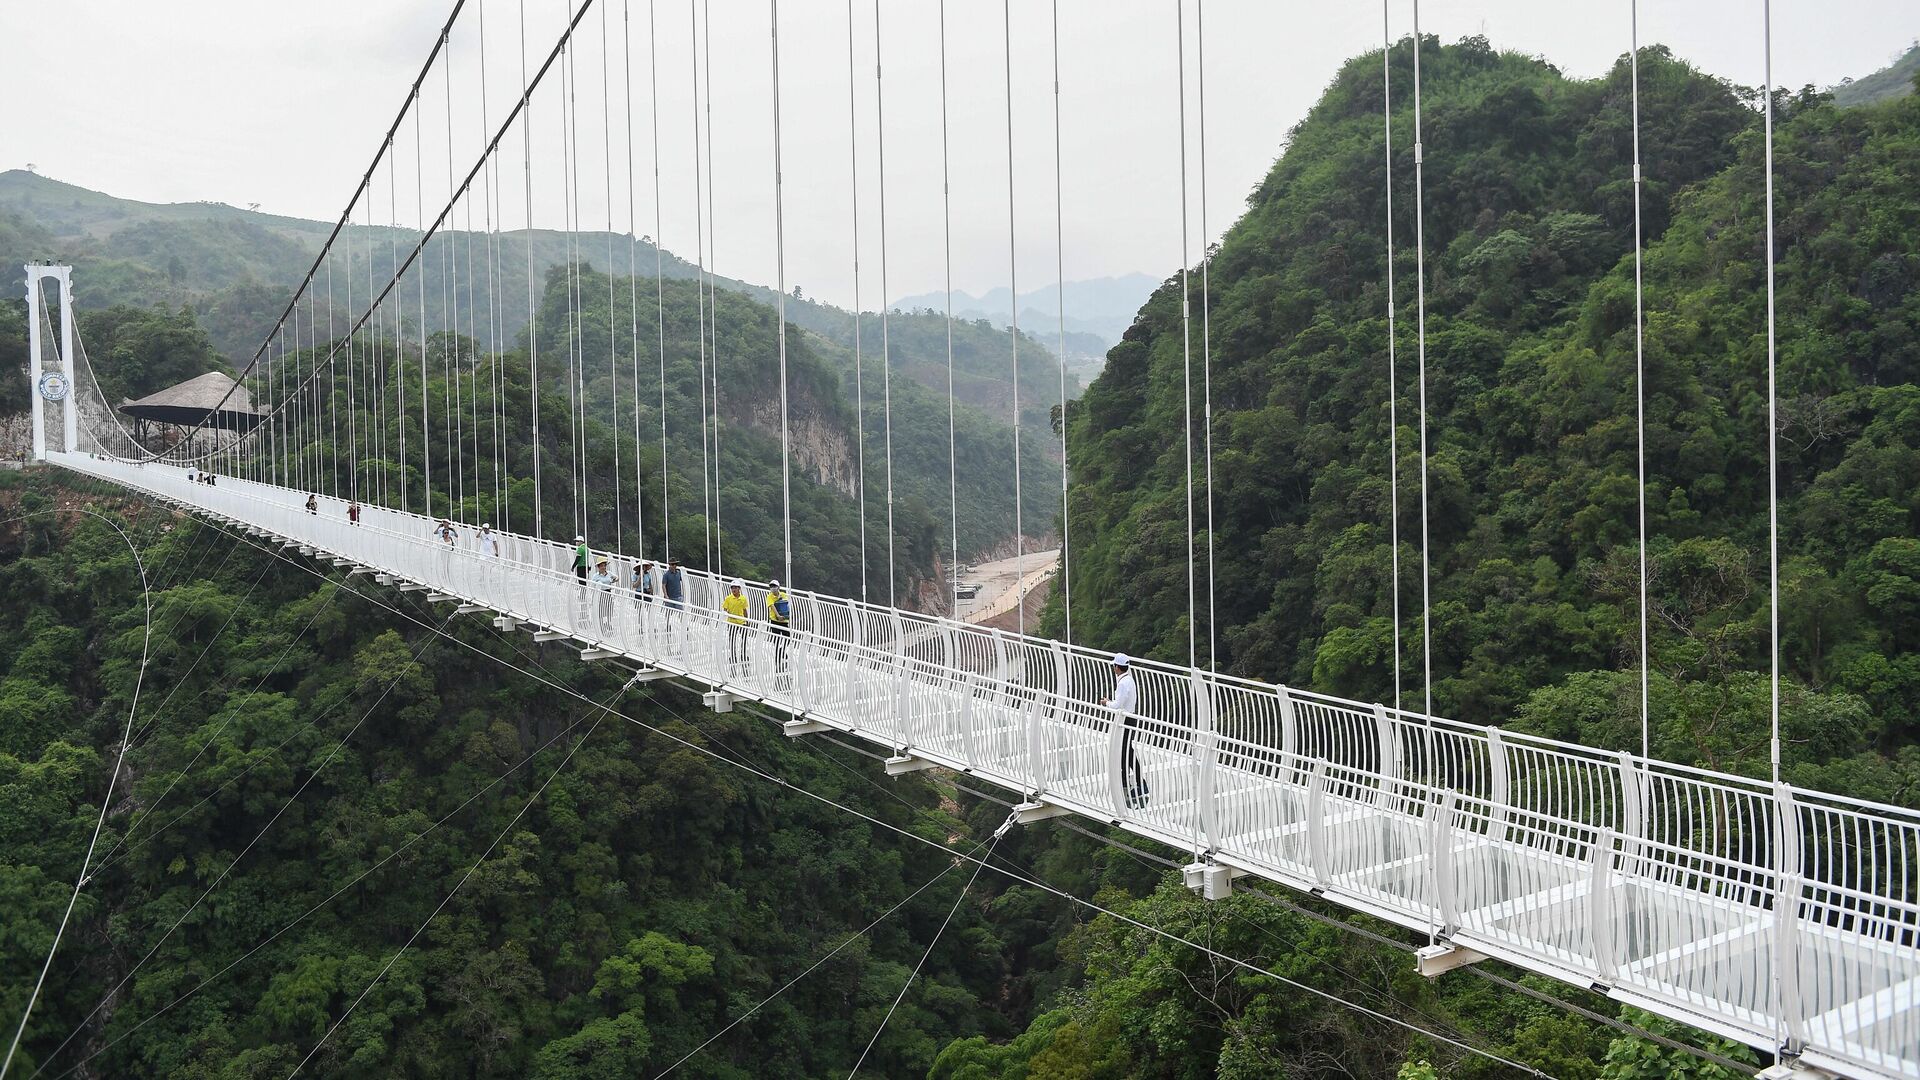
(1772, 915)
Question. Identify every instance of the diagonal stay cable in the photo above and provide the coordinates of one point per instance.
(1138, 854)
(179, 774)
(605, 708)
(1010, 870)
(204, 650)
(815, 966)
(978, 866)
(235, 861)
(106, 800)
(336, 894)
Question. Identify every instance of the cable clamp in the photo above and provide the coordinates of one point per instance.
(1005, 827)
(1419, 153)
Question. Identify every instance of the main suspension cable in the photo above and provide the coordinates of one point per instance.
(1639, 372)
(1393, 393)
(780, 311)
(886, 336)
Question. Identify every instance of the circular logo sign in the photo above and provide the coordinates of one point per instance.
(54, 386)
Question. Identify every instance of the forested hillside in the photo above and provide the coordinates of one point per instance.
(1530, 387)
(229, 271)
(651, 894)
(325, 769)
(315, 770)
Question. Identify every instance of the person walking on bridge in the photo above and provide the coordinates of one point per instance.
(605, 581)
(313, 504)
(353, 512)
(735, 605)
(581, 562)
(489, 541)
(674, 584)
(779, 622)
(1124, 702)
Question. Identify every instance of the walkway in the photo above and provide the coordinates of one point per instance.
(1764, 915)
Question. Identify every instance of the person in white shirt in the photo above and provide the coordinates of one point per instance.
(604, 581)
(193, 474)
(1124, 702)
(489, 542)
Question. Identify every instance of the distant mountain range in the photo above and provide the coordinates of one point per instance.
(1098, 311)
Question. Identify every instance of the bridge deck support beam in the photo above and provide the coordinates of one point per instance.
(1028, 813)
(795, 728)
(1211, 880)
(901, 764)
(1793, 1069)
(718, 700)
(1434, 961)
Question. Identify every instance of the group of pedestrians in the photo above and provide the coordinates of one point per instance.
(668, 589)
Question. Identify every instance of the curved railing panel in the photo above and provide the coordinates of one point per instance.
(1766, 913)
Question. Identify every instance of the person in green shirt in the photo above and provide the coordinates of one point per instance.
(580, 559)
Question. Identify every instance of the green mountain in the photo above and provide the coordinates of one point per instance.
(329, 774)
(1530, 386)
(1895, 80)
(652, 894)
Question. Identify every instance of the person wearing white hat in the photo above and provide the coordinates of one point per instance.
(779, 622)
(489, 542)
(580, 557)
(1124, 701)
(604, 581)
(735, 605)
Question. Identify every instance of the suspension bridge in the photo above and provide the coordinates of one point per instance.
(1780, 917)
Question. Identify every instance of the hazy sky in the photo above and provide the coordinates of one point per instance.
(283, 104)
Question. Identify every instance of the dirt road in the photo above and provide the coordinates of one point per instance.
(1001, 583)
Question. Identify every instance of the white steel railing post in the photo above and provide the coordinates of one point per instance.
(1786, 917)
(1600, 904)
(969, 742)
(856, 637)
(1288, 736)
(1317, 823)
(1061, 699)
(999, 695)
(1498, 796)
(798, 651)
(1389, 742)
(901, 728)
(1440, 858)
(1205, 755)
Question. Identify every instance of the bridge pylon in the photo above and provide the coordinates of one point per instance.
(52, 384)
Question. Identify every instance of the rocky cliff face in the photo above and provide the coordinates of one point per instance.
(823, 451)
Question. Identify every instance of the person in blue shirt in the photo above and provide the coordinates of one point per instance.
(674, 584)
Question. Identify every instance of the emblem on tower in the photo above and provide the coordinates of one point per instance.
(54, 386)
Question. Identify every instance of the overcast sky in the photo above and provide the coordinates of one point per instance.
(283, 104)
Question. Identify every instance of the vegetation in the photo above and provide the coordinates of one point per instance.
(1530, 388)
(651, 893)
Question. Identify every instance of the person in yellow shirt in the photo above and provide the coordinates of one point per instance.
(735, 605)
(779, 622)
